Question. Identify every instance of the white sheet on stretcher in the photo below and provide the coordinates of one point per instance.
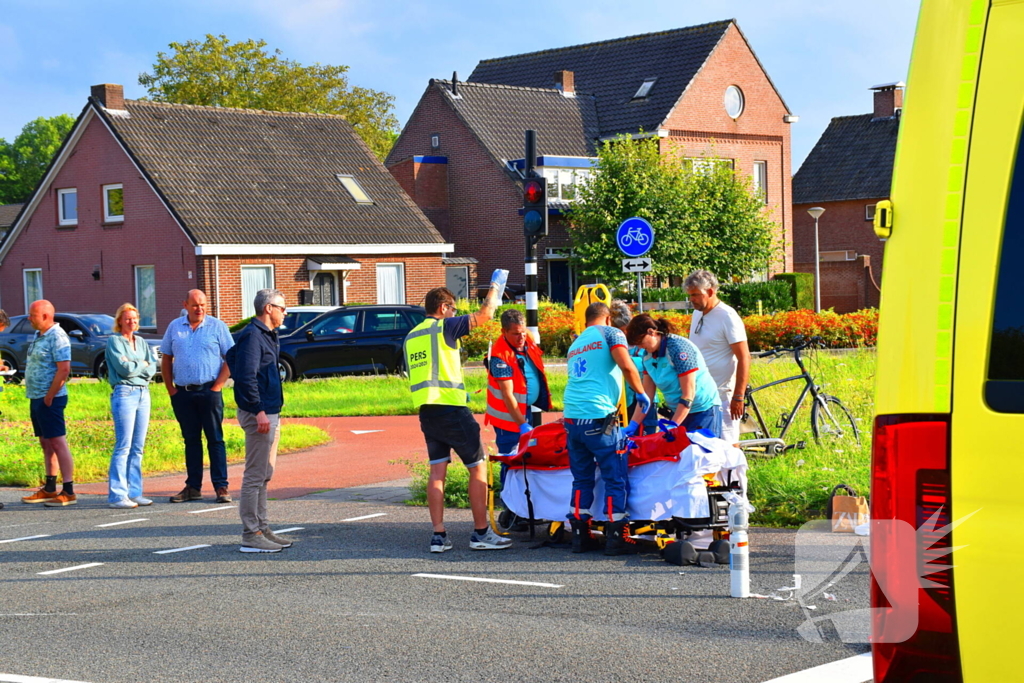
(658, 490)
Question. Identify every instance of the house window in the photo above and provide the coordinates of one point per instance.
(707, 165)
(760, 180)
(113, 204)
(563, 182)
(644, 89)
(869, 212)
(33, 285)
(733, 101)
(145, 296)
(354, 189)
(457, 280)
(435, 141)
(390, 283)
(67, 206)
(254, 278)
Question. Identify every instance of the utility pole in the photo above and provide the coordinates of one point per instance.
(535, 226)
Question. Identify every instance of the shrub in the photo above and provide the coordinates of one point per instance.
(240, 324)
(774, 296)
(802, 288)
(849, 330)
(555, 326)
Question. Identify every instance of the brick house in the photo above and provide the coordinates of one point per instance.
(847, 173)
(700, 90)
(8, 212)
(145, 201)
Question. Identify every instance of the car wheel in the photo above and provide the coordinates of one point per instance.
(100, 371)
(285, 370)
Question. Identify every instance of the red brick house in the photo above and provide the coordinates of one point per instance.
(145, 201)
(701, 90)
(8, 212)
(847, 173)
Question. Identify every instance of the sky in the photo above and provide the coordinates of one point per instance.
(823, 56)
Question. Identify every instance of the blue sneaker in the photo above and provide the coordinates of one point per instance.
(488, 541)
(439, 543)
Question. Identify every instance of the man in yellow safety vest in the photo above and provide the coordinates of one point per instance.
(439, 394)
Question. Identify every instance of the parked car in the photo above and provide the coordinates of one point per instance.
(349, 340)
(88, 333)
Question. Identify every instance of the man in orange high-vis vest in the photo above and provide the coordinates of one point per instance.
(515, 382)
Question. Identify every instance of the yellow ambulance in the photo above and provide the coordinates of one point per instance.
(950, 379)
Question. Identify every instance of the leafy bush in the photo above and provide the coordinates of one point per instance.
(846, 330)
(240, 324)
(555, 323)
(774, 297)
(802, 288)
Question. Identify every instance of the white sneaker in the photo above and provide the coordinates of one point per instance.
(142, 500)
(124, 504)
(488, 541)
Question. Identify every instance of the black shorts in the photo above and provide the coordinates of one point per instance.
(447, 430)
(48, 422)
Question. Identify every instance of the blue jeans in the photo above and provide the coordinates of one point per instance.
(710, 419)
(202, 412)
(590, 448)
(130, 407)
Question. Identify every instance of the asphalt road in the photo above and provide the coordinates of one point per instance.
(343, 604)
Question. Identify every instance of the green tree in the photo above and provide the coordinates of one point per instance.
(219, 73)
(705, 217)
(23, 162)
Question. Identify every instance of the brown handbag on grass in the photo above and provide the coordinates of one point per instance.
(846, 512)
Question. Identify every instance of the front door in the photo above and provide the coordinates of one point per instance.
(560, 282)
(323, 289)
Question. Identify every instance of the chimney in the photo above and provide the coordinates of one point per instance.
(455, 84)
(110, 95)
(566, 82)
(888, 99)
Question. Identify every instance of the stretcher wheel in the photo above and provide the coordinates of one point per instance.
(558, 533)
(680, 553)
(720, 549)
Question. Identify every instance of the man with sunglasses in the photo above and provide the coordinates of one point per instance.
(253, 361)
(717, 330)
(439, 393)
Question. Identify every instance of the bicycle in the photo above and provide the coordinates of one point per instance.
(830, 419)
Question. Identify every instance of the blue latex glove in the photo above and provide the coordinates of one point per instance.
(669, 424)
(498, 280)
(631, 428)
(524, 428)
(644, 401)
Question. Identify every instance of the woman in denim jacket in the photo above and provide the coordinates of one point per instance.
(130, 366)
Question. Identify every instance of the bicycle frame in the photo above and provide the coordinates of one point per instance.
(809, 387)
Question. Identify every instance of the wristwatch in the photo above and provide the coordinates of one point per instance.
(686, 402)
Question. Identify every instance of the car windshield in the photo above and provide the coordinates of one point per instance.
(98, 324)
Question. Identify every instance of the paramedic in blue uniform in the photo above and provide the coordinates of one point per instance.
(675, 365)
(597, 362)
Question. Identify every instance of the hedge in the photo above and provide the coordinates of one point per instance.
(744, 297)
(801, 288)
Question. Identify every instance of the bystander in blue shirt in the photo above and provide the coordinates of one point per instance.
(197, 353)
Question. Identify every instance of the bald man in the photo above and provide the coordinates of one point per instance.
(194, 373)
(46, 374)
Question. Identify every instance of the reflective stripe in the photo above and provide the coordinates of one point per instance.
(438, 384)
(494, 412)
(435, 376)
(496, 393)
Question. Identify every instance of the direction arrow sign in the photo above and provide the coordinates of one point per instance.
(636, 265)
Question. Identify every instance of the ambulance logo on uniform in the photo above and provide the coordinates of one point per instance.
(683, 355)
(579, 367)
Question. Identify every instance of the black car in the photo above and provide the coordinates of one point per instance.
(88, 333)
(350, 340)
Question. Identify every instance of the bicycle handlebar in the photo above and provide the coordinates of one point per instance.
(800, 343)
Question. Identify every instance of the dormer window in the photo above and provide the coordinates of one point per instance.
(355, 189)
(645, 88)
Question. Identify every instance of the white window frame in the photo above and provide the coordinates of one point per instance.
(24, 284)
(61, 220)
(355, 189)
(759, 172)
(107, 218)
(577, 178)
(401, 289)
(869, 212)
(138, 299)
(707, 164)
(247, 305)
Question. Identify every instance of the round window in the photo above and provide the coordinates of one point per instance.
(733, 101)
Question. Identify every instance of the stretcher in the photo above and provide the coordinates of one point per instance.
(677, 482)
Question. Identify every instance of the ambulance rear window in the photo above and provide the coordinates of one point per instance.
(1004, 391)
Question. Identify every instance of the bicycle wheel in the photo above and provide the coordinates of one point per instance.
(831, 421)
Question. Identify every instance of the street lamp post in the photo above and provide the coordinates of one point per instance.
(815, 212)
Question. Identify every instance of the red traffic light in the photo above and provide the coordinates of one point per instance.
(533, 192)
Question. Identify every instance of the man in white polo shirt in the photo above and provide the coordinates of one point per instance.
(718, 331)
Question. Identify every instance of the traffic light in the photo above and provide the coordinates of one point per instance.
(535, 205)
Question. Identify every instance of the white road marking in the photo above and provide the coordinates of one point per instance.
(199, 512)
(476, 578)
(127, 521)
(356, 519)
(181, 550)
(25, 538)
(14, 678)
(365, 431)
(70, 569)
(291, 528)
(850, 670)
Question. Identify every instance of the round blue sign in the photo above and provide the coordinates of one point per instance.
(635, 237)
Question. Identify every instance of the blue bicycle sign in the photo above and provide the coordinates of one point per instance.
(635, 237)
